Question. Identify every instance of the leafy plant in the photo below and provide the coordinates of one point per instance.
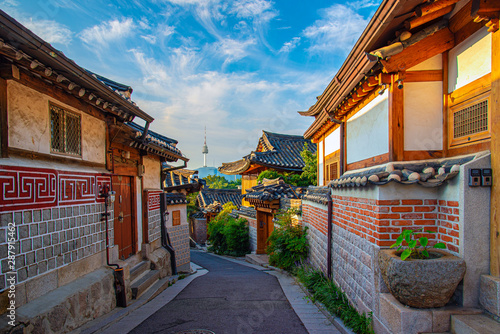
(416, 247)
(228, 235)
(334, 299)
(220, 182)
(288, 245)
(191, 206)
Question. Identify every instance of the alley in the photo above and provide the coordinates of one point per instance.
(231, 298)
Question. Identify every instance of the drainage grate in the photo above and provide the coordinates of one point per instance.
(196, 331)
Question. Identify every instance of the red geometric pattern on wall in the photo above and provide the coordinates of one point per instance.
(34, 188)
(154, 199)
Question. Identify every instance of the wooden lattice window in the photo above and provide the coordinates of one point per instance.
(470, 120)
(65, 131)
(176, 218)
(332, 167)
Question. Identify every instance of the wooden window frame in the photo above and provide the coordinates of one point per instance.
(176, 218)
(475, 92)
(330, 161)
(65, 113)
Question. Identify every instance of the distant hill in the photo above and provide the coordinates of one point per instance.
(206, 171)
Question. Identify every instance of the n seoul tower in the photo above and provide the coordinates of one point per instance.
(205, 150)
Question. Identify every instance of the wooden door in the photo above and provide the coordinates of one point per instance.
(123, 220)
(265, 226)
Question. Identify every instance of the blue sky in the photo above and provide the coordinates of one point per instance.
(235, 66)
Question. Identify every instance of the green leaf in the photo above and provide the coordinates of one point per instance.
(430, 232)
(440, 245)
(426, 253)
(424, 241)
(406, 233)
(412, 244)
(405, 254)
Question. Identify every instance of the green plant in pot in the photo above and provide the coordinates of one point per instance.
(418, 274)
(417, 247)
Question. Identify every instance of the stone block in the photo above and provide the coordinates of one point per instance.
(42, 228)
(18, 218)
(23, 231)
(5, 219)
(33, 230)
(27, 217)
(30, 258)
(37, 243)
(441, 317)
(37, 215)
(403, 320)
(20, 294)
(489, 297)
(55, 213)
(46, 214)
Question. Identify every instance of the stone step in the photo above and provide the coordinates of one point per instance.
(138, 269)
(474, 324)
(143, 282)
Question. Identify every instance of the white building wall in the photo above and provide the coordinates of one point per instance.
(470, 60)
(320, 162)
(367, 132)
(423, 116)
(332, 142)
(29, 124)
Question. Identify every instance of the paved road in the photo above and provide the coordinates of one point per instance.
(231, 298)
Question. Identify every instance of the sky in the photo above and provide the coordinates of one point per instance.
(236, 67)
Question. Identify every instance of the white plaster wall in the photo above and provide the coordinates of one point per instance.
(434, 63)
(367, 132)
(172, 208)
(29, 124)
(470, 60)
(332, 142)
(151, 177)
(423, 116)
(320, 162)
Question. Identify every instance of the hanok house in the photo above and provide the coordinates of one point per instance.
(66, 136)
(210, 201)
(267, 198)
(274, 151)
(406, 121)
(176, 185)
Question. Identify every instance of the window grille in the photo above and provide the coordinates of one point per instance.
(65, 131)
(470, 120)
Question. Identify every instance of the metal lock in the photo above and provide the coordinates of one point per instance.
(120, 217)
(474, 177)
(486, 177)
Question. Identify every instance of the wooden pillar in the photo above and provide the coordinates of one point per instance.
(396, 121)
(324, 160)
(445, 102)
(495, 156)
(4, 126)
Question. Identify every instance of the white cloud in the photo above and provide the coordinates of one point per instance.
(254, 9)
(50, 31)
(337, 30)
(363, 4)
(231, 49)
(108, 32)
(149, 38)
(289, 46)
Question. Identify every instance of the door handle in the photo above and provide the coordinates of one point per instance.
(120, 217)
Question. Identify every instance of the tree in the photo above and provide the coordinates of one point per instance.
(306, 178)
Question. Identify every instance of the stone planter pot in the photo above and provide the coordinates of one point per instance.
(421, 283)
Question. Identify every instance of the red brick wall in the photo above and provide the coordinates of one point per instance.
(381, 221)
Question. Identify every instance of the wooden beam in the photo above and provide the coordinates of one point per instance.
(427, 9)
(396, 123)
(445, 62)
(495, 157)
(461, 18)
(429, 47)
(419, 21)
(4, 120)
(373, 161)
(423, 76)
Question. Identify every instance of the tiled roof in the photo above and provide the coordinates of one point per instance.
(215, 197)
(155, 143)
(182, 179)
(246, 211)
(277, 151)
(426, 173)
(110, 83)
(270, 190)
(175, 198)
(317, 195)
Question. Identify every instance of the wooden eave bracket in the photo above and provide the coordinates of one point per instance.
(486, 10)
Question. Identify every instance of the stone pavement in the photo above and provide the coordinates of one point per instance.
(228, 296)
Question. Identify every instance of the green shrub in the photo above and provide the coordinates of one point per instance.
(335, 301)
(227, 235)
(236, 237)
(288, 244)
